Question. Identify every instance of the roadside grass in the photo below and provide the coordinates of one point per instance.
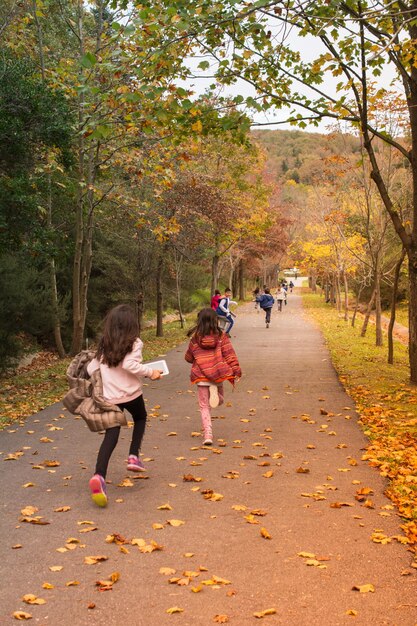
(44, 382)
(384, 398)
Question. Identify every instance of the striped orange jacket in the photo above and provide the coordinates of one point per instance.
(213, 359)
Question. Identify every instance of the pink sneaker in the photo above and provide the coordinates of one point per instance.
(98, 490)
(134, 464)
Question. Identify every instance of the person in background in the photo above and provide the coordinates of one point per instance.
(213, 361)
(266, 302)
(281, 296)
(215, 299)
(291, 285)
(119, 358)
(255, 295)
(223, 309)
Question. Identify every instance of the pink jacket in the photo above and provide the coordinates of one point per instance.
(124, 382)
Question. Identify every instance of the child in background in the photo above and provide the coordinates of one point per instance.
(223, 309)
(266, 302)
(119, 357)
(215, 299)
(281, 297)
(213, 361)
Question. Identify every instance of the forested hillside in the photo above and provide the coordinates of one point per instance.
(337, 227)
(301, 155)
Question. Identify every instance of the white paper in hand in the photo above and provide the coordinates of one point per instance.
(159, 365)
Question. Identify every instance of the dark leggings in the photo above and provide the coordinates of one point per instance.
(137, 409)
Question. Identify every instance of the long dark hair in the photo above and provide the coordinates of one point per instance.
(120, 331)
(206, 324)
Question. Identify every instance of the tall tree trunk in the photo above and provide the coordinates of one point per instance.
(178, 264)
(338, 293)
(358, 298)
(214, 272)
(241, 280)
(235, 282)
(368, 313)
(140, 308)
(88, 159)
(312, 281)
(327, 291)
(77, 328)
(378, 312)
(56, 322)
(332, 291)
(346, 294)
(159, 297)
(412, 315)
(394, 307)
(409, 239)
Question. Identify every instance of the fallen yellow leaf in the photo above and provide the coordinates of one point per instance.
(92, 560)
(29, 510)
(167, 571)
(29, 598)
(175, 609)
(364, 588)
(261, 614)
(21, 615)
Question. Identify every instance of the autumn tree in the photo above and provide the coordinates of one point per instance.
(358, 40)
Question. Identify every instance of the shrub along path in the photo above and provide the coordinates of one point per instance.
(280, 518)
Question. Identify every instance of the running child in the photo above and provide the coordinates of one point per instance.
(119, 358)
(213, 361)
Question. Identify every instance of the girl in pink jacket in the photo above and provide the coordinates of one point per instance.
(119, 357)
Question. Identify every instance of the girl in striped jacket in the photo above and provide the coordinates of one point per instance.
(213, 361)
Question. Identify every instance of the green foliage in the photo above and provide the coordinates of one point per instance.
(24, 306)
(31, 116)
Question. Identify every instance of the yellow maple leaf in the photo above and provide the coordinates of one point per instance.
(175, 609)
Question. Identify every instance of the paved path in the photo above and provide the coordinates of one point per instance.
(272, 425)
